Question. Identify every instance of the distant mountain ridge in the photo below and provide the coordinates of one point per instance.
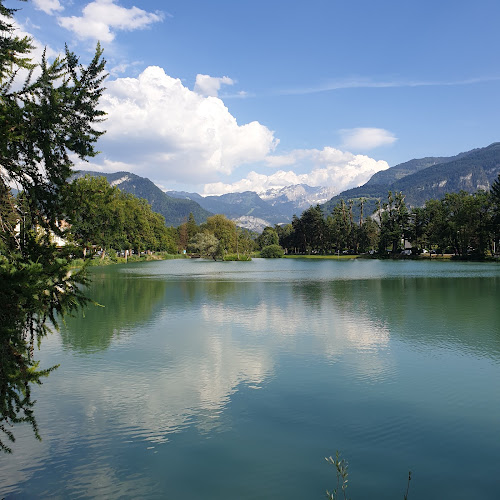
(410, 167)
(176, 211)
(423, 179)
(258, 210)
(296, 197)
(418, 179)
(247, 209)
(234, 205)
(472, 172)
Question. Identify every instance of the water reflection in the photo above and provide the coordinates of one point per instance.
(458, 313)
(311, 320)
(169, 359)
(123, 303)
(211, 335)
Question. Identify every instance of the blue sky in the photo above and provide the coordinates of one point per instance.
(234, 95)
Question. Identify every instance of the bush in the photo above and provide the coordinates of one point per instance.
(272, 252)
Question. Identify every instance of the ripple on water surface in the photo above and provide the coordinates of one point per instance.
(393, 363)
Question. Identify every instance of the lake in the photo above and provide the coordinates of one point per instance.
(234, 380)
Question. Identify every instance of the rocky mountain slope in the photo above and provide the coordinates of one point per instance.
(424, 179)
(258, 210)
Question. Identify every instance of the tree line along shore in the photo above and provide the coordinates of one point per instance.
(103, 225)
(107, 225)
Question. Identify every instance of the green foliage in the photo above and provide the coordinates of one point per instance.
(393, 223)
(206, 244)
(268, 237)
(272, 252)
(495, 206)
(463, 224)
(311, 231)
(468, 221)
(92, 212)
(368, 236)
(340, 227)
(8, 220)
(286, 236)
(224, 230)
(102, 216)
(495, 191)
(43, 123)
(13, 49)
(236, 257)
(191, 226)
(245, 244)
(50, 117)
(33, 292)
(174, 210)
(217, 238)
(186, 231)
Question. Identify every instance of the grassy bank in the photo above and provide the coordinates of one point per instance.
(237, 258)
(428, 256)
(111, 259)
(335, 257)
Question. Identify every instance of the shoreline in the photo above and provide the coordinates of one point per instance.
(109, 261)
(426, 257)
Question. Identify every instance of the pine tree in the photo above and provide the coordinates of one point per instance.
(42, 122)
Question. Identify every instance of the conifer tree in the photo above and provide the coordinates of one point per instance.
(43, 121)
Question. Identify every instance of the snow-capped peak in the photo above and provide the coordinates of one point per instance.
(300, 195)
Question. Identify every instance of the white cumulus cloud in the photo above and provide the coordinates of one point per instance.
(102, 18)
(210, 85)
(169, 133)
(331, 168)
(366, 138)
(48, 6)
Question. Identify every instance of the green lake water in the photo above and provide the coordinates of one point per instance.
(235, 380)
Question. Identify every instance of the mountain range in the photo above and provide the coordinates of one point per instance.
(247, 209)
(258, 210)
(419, 179)
(428, 178)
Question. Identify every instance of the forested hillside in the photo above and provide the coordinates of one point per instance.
(472, 171)
(411, 167)
(175, 211)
